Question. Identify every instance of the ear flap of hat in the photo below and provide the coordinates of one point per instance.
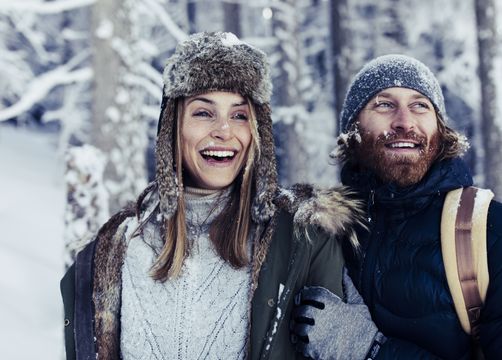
(265, 167)
(165, 154)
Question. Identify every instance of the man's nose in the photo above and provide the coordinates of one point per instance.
(403, 120)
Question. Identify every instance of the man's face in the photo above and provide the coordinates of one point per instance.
(399, 136)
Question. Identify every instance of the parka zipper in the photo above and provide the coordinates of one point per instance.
(371, 202)
(369, 258)
(369, 205)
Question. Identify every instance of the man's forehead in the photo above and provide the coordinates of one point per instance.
(400, 92)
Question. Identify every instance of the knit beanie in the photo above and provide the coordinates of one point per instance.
(385, 72)
(217, 62)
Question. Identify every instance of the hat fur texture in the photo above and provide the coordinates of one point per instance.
(217, 62)
(385, 72)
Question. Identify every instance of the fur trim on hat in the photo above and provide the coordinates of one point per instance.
(217, 62)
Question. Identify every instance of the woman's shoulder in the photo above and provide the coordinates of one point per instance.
(334, 210)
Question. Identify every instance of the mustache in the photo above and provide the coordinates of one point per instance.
(399, 135)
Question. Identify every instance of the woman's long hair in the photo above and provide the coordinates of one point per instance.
(228, 232)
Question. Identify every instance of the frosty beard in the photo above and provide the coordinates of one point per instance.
(401, 169)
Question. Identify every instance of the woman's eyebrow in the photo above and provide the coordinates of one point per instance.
(200, 98)
(240, 103)
(209, 101)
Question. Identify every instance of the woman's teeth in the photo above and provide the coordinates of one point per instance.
(221, 154)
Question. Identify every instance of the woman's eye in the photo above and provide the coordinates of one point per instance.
(202, 113)
(240, 116)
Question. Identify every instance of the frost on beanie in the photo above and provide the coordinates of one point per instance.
(385, 72)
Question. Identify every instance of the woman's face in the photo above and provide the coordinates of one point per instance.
(215, 134)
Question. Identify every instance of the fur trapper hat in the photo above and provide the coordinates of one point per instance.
(385, 72)
(217, 62)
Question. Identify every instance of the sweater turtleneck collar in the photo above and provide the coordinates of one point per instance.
(197, 193)
(203, 206)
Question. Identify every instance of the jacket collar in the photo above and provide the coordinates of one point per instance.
(442, 177)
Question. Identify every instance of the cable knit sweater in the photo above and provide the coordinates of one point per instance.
(202, 314)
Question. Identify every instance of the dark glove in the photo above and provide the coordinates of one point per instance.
(325, 327)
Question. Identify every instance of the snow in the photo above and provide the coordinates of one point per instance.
(31, 261)
(87, 205)
(481, 203)
(105, 29)
(44, 7)
(166, 20)
(40, 87)
(229, 40)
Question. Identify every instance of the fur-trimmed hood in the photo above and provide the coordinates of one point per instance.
(334, 210)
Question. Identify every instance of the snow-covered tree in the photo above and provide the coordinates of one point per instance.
(340, 54)
(289, 110)
(491, 118)
(86, 197)
(118, 127)
(303, 121)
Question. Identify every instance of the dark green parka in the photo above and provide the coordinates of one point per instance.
(299, 246)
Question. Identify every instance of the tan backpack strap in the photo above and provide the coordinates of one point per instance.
(467, 274)
(463, 242)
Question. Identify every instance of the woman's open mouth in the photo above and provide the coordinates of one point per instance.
(218, 156)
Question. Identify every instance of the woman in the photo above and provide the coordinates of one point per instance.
(207, 263)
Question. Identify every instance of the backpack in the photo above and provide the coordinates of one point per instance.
(463, 247)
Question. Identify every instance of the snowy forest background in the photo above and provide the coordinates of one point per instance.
(80, 88)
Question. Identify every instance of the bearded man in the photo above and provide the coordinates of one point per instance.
(401, 157)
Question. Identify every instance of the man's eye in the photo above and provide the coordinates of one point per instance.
(383, 105)
(421, 106)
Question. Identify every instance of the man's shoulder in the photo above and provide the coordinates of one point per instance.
(495, 218)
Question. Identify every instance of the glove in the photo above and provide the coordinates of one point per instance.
(325, 327)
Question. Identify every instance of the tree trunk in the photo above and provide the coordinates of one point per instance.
(340, 54)
(292, 157)
(232, 18)
(491, 132)
(117, 127)
(192, 16)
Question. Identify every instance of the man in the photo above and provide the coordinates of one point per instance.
(402, 158)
